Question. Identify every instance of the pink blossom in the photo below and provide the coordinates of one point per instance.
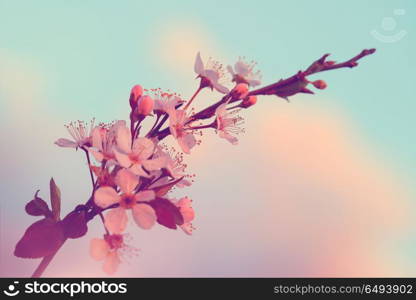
(110, 249)
(135, 93)
(104, 141)
(136, 155)
(80, 133)
(188, 214)
(178, 128)
(145, 105)
(228, 124)
(116, 218)
(210, 74)
(243, 72)
(165, 102)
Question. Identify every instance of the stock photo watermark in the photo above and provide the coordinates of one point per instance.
(70, 289)
(389, 31)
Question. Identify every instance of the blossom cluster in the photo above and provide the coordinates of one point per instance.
(133, 171)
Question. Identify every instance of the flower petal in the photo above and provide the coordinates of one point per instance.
(144, 215)
(144, 147)
(187, 142)
(106, 196)
(138, 170)
(123, 159)
(199, 65)
(116, 220)
(126, 180)
(111, 263)
(124, 139)
(220, 88)
(66, 143)
(147, 195)
(98, 249)
(97, 155)
(186, 209)
(187, 228)
(97, 140)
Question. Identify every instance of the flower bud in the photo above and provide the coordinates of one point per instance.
(239, 91)
(319, 84)
(145, 105)
(249, 101)
(135, 94)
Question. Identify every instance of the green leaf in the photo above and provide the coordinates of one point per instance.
(55, 199)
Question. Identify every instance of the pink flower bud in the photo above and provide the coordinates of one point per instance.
(135, 94)
(239, 91)
(145, 105)
(319, 84)
(249, 101)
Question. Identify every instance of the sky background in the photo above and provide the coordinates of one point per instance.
(322, 186)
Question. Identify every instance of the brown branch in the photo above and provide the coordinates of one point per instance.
(297, 83)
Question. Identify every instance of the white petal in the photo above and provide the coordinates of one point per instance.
(138, 170)
(116, 220)
(111, 263)
(98, 249)
(220, 88)
(126, 180)
(106, 196)
(123, 159)
(144, 147)
(241, 68)
(199, 65)
(144, 215)
(187, 142)
(66, 143)
(187, 228)
(97, 155)
(124, 139)
(212, 75)
(97, 141)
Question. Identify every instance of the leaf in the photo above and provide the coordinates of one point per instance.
(55, 199)
(164, 189)
(42, 238)
(37, 207)
(167, 213)
(74, 225)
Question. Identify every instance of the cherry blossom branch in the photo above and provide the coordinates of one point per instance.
(44, 263)
(132, 171)
(89, 166)
(295, 84)
(193, 97)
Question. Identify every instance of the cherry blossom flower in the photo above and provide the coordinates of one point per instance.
(188, 214)
(135, 94)
(228, 124)
(145, 105)
(136, 155)
(104, 140)
(210, 74)
(178, 128)
(174, 166)
(243, 73)
(165, 102)
(80, 133)
(116, 218)
(110, 249)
